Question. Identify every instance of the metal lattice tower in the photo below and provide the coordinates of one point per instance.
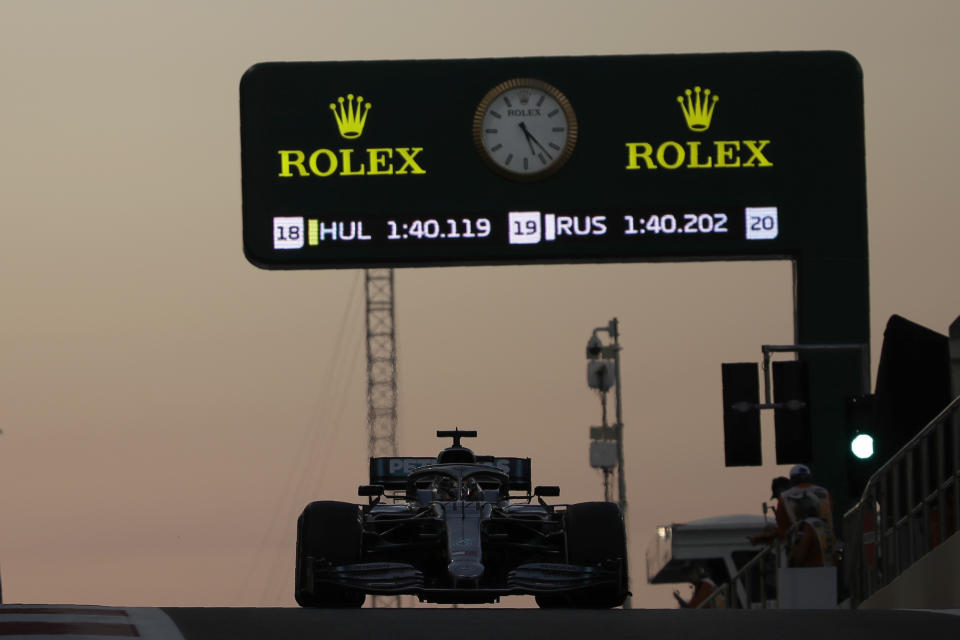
(381, 377)
(381, 364)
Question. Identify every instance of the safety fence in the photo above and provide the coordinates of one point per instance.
(909, 506)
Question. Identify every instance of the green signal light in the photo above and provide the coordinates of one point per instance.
(862, 446)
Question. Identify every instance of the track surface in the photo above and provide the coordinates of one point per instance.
(79, 622)
(533, 624)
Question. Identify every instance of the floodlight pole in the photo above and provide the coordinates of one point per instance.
(621, 482)
(605, 426)
(612, 329)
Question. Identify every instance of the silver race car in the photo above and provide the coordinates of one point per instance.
(460, 528)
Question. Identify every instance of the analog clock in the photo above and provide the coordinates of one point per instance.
(525, 129)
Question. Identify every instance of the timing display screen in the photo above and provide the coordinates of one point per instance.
(525, 228)
(551, 160)
(587, 236)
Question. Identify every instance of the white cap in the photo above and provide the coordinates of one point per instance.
(799, 470)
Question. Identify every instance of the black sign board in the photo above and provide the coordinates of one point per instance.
(539, 160)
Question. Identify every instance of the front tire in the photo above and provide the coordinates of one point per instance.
(331, 531)
(558, 601)
(595, 534)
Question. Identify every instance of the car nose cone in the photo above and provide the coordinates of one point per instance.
(465, 570)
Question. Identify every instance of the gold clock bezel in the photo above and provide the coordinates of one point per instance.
(532, 83)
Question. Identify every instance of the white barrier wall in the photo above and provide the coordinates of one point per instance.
(933, 582)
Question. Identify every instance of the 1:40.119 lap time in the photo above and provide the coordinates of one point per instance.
(433, 228)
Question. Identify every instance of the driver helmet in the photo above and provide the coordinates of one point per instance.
(445, 488)
(472, 489)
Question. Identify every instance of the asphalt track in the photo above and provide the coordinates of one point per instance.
(533, 624)
(79, 622)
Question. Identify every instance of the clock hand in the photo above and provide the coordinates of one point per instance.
(537, 142)
(531, 140)
(523, 127)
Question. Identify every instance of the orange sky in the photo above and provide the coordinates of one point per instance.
(168, 409)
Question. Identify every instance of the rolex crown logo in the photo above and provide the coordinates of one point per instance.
(697, 111)
(350, 119)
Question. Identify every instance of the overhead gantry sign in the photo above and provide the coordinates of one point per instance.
(572, 159)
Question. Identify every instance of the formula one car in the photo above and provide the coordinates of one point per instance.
(460, 528)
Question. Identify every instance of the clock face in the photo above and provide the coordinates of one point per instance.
(525, 129)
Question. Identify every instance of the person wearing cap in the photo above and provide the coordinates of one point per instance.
(703, 588)
(778, 531)
(807, 513)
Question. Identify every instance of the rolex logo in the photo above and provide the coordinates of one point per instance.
(697, 111)
(697, 107)
(350, 119)
(351, 116)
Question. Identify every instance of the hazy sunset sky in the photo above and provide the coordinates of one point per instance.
(168, 409)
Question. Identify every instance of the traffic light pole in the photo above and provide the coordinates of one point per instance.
(767, 349)
(794, 438)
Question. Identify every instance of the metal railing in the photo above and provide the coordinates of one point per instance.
(754, 586)
(909, 506)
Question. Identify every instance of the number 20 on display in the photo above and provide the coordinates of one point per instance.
(762, 223)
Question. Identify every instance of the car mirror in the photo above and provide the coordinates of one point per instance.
(370, 490)
(549, 491)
